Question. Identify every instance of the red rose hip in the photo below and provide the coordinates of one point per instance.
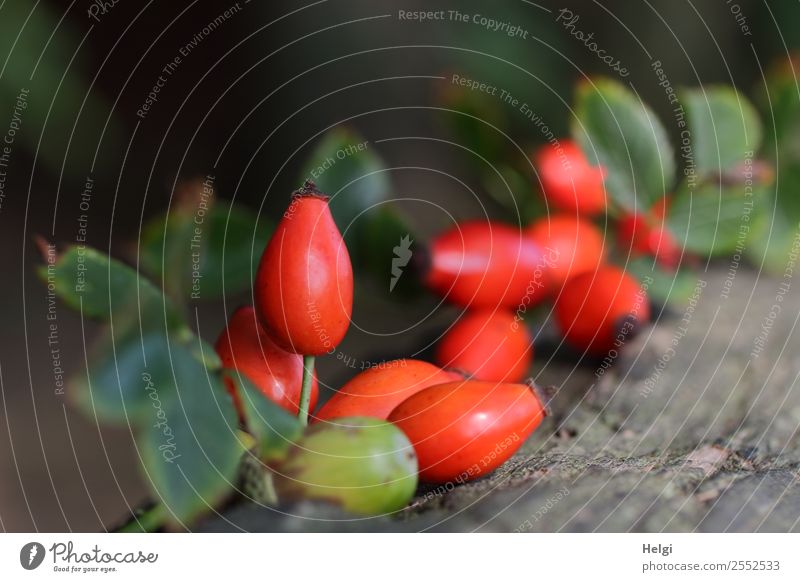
(569, 181)
(599, 311)
(484, 264)
(377, 391)
(571, 245)
(244, 346)
(304, 285)
(488, 345)
(464, 430)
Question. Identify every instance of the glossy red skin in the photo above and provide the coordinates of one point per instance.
(377, 391)
(569, 181)
(244, 346)
(646, 234)
(489, 345)
(571, 245)
(304, 286)
(593, 307)
(484, 264)
(464, 430)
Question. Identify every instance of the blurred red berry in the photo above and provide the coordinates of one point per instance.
(647, 234)
(599, 311)
(569, 181)
(485, 264)
(488, 345)
(571, 246)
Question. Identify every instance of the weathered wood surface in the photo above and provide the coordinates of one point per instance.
(695, 428)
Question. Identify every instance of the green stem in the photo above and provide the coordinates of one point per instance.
(305, 391)
(149, 520)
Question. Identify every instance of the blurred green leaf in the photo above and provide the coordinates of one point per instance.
(190, 446)
(516, 193)
(781, 101)
(274, 428)
(207, 260)
(776, 227)
(385, 250)
(663, 286)
(775, 232)
(478, 122)
(616, 130)
(61, 109)
(711, 220)
(725, 128)
(88, 280)
(346, 167)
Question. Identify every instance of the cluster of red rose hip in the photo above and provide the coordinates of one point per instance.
(498, 272)
(469, 414)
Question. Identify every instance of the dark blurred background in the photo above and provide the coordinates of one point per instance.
(246, 104)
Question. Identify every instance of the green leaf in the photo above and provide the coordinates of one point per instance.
(207, 260)
(616, 130)
(782, 102)
(189, 444)
(776, 227)
(515, 193)
(115, 387)
(103, 288)
(665, 286)
(478, 123)
(711, 220)
(346, 167)
(274, 428)
(725, 129)
(775, 233)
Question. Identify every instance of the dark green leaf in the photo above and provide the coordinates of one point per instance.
(346, 167)
(189, 445)
(725, 129)
(781, 101)
(274, 428)
(385, 249)
(478, 122)
(103, 288)
(515, 193)
(206, 260)
(616, 130)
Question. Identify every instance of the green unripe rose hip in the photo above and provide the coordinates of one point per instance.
(365, 465)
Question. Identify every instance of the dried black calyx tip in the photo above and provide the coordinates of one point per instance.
(461, 372)
(545, 394)
(309, 188)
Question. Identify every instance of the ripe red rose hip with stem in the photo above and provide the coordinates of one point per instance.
(304, 284)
